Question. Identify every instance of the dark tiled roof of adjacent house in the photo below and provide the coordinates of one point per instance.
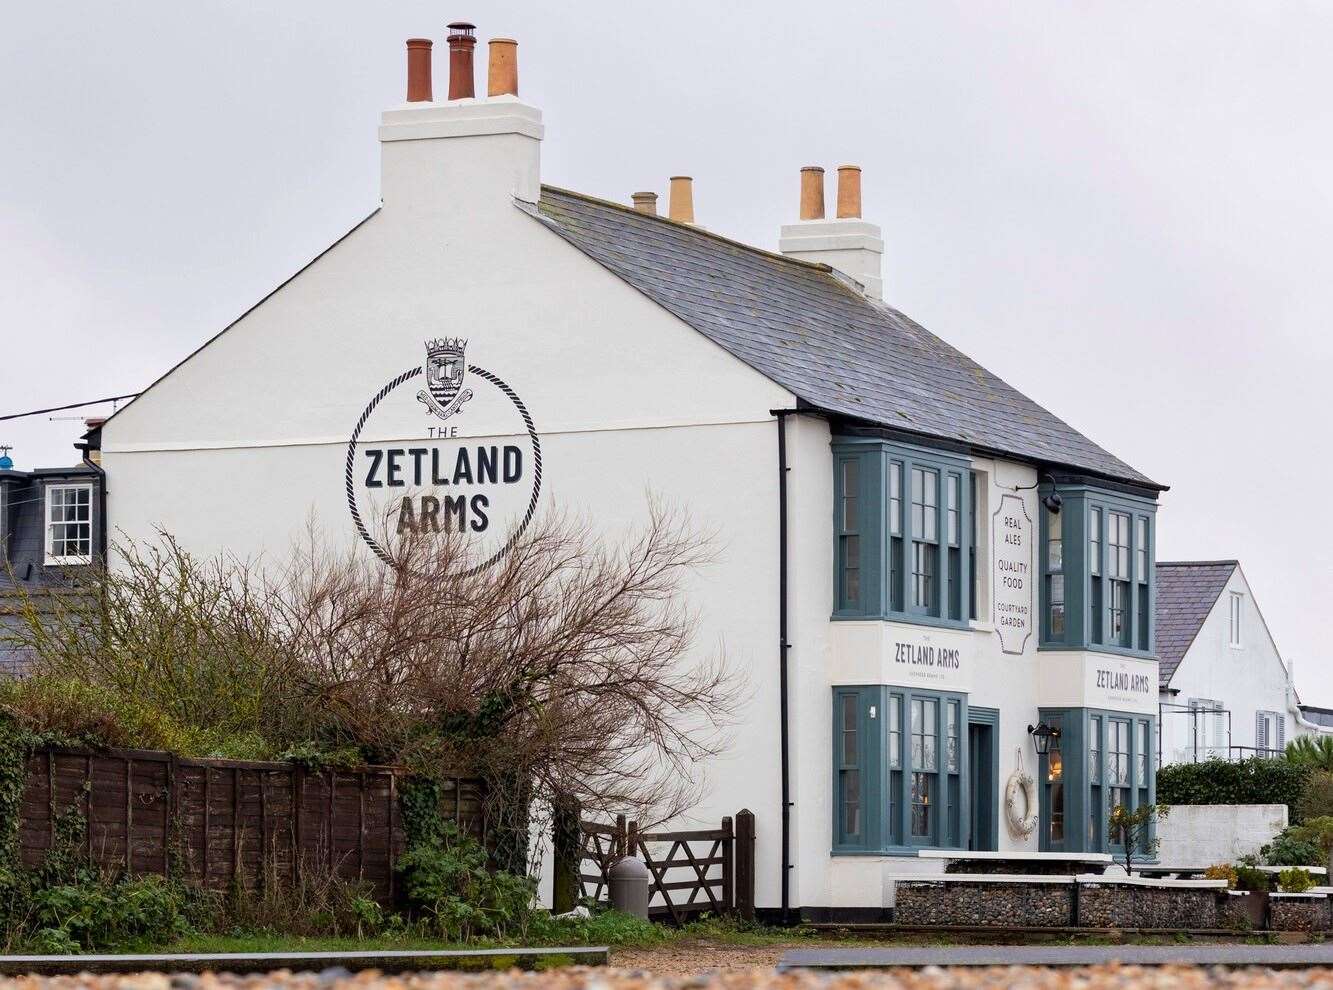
(1187, 590)
(807, 330)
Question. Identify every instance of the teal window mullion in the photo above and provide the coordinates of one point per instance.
(967, 548)
(940, 606)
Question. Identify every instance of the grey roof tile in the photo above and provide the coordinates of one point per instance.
(1187, 590)
(807, 330)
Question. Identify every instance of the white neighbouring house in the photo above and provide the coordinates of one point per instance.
(1225, 691)
(960, 563)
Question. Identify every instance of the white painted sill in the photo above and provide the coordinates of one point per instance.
(1020, 857)
(1093, 878)
(941, 878)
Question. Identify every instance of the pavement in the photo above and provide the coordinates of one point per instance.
(914, 957)
(383, 961)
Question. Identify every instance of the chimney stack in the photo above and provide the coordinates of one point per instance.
(418, 70)
(645, 202)
(680, 206)
(502, 71)
(846, 243)
(812, 193)
(426, 172)
(849, 192)
(462, 40)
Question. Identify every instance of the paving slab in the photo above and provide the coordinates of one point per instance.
(386, 961)
(916, 957)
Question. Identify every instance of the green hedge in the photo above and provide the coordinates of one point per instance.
(1253, 781)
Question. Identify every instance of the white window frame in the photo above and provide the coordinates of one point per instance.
(1270, 734)
(48, 505)
(1234, 620)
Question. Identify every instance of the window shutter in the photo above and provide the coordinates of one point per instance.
(1261, 730)
(1282, 732)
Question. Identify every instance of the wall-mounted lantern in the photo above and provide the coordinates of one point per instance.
(1044, 737)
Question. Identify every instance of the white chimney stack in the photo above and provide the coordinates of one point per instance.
(457, 154)
(846, 243)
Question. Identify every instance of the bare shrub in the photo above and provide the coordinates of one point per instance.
(563, 665)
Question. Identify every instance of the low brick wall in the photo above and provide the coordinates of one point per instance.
(1128, 905)
(984, 903)
(1037, 901)
(1303, 913)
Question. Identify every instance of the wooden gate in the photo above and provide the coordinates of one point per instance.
(691, 872)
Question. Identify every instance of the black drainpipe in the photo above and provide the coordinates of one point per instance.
(783, 647)
(87, 449)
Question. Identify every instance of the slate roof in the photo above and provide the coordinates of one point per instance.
(805, 328)
(1187, 590)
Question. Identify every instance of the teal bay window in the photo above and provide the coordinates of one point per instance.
(905, 533)
(1097, 570)
(899, 763)
(1103, 760)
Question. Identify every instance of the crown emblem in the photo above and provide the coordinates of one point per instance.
(445, 347)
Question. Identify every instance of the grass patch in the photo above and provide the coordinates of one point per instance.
(608, 928)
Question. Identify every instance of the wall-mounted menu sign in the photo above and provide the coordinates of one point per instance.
(1012, 573)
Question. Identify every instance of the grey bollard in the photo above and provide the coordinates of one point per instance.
(629, 887)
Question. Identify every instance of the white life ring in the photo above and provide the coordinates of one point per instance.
(1025, 824)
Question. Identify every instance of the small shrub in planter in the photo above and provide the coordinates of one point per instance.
(1222, 871)
(1250, 879)
(1294, 881)
(1251, 909)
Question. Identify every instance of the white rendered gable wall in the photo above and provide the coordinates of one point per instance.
(1246, 679)
(246, 440)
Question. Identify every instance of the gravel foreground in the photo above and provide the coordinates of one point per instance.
(584, 978)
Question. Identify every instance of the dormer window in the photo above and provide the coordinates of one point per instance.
(69, 524)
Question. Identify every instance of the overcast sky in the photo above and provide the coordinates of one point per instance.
(1122, 208)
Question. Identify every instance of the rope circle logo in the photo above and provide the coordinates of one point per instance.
(444, 397)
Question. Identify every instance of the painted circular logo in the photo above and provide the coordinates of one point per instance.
(444, 396)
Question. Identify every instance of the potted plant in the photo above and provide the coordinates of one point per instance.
(1251, 901)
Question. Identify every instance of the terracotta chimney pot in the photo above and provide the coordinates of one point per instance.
(461, 42)
(502, 73)
(849, 191)
(680, 206)
(418, 70)
(645, 202)
(812, 193)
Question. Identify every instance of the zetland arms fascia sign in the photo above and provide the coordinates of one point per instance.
(433, 476)
(1012, 574)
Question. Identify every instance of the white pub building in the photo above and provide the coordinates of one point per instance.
(916, 564)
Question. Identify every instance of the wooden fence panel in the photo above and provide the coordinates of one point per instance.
(219, 821)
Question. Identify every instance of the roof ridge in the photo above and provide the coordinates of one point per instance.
(776, 255)
(1197, 563)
